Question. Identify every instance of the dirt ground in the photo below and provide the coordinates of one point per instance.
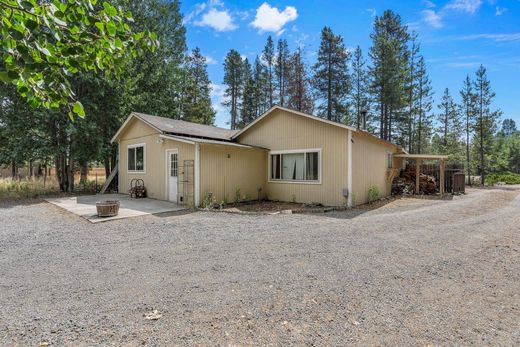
(411, 272)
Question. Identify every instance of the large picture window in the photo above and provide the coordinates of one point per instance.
(295, 166)
(136, 158)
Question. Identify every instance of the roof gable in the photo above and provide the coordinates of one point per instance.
(309, 116)
(301, 114)
(178, 127)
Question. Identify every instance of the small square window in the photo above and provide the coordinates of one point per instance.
(136, 158)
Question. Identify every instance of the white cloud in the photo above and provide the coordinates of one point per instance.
(210, 60)
(463, 65)
(269, 18)
(500, 11)
(199, 8)
(432, 18)
(514, 37)
(429, 4)
(219, 20)
(372, 12)
(213, 14)
(469, 6)
(244, 15)
(435, 18)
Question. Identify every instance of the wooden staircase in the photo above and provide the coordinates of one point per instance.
(109, 179)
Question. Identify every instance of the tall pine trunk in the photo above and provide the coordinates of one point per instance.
(468, 168)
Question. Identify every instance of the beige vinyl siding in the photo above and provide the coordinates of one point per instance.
(369, 166)
(155, 158)
(283, 130)
(224, 169)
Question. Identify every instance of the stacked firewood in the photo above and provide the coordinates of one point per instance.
(405, 184)
(401, 186)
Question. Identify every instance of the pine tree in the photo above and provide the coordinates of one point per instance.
(197, 103)
(260, 91)
(412, 88)
(486, 120)
(234, 79)
(468, 112)
(281, 70)
(268, 56)
(389, 54)
(508, 127)
(247, 110)
(299, 96)
(360, 88)
(331, 79)
(424, 104)
(450, 125)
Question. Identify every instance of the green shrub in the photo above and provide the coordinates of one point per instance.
(506, 177)
(238, 197)
(207, 201)
(373, 194)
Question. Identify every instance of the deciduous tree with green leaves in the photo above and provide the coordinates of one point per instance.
(43, 43)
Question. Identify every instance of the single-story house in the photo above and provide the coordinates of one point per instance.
(283, 155)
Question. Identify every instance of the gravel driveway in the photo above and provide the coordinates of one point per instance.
(413, 272)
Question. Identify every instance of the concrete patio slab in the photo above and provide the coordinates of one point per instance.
(85, 206)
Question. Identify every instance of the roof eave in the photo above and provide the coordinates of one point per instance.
(130, 116)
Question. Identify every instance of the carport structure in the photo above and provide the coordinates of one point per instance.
(418, 160)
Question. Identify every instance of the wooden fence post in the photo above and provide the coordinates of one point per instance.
(441, 178)
(417, 174)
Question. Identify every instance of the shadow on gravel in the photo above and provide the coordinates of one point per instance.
(346, 214)
(11, 203)
(173, 213)
(6, 203)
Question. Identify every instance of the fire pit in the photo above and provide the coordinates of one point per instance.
(107, 208)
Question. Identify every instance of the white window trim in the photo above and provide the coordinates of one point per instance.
(294, 151)
(143, 171)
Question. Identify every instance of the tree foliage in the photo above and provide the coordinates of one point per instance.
(43, 43)
(234, 80)
(331, 79)
(197, 100)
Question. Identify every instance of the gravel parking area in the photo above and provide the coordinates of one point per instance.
(413, 272)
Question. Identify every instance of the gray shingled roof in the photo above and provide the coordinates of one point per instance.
(174, 126)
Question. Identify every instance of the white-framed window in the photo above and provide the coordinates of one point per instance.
(174, 165)
(137, 157)
(295, 166)
(389, 160)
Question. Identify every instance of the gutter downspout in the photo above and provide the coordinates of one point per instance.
(197, 174)
(349, 168)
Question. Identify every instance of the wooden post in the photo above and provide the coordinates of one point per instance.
(417, 175)
(441, 178)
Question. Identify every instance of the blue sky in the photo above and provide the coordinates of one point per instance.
(456, 36)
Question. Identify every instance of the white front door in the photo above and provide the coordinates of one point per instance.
(173, 174)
